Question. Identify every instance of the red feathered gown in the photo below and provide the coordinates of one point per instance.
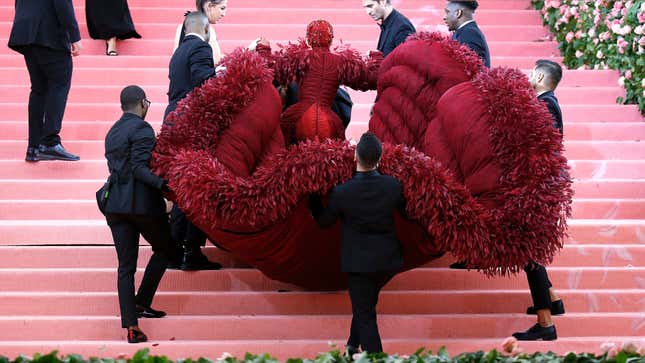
(484, 180)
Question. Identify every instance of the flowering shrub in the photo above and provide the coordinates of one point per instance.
(420, 356)
(602, 34)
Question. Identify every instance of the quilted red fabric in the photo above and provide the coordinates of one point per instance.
(486, 180)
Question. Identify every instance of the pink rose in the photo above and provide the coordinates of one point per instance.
(592, 32)
(622, 45)
(605, 36)
(630, 347)
(628, 75)
(641, 41)
(569, 37)
(578, 34)
(579, 54)
(509, 345)
(607, 346)
(641, 17)
(600, 55)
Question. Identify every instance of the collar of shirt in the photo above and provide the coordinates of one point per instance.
(362, 174)
(466, 23)
(197, 35)
(544, 93)
(389, 19)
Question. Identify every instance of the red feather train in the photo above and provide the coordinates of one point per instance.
(480, 165)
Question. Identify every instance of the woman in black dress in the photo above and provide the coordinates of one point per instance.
(109, 20)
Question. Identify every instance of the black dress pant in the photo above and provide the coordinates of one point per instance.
(183, 231)
(364, 289)
(125, 232)
(50, 72)
(539, 284)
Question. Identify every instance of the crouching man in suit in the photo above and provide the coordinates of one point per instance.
(135, 206)
(371, 252)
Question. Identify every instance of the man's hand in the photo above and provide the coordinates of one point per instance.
(76, 48)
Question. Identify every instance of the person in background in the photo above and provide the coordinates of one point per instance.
(109, 20)
(371, 252)
(135, 206)
(214, 10)
(395, 27)
(46, 33)
(460, 19)
(544, 78)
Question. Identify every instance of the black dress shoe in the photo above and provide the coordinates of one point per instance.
(150, 313)
(136, 336)
(537, 332)
(194, 260)
(32, 154)
(56, 152)
(557, 308)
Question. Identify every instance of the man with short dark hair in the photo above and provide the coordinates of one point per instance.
(544, 78)
(46, 33)
(395, 27)
(460, 19)
(371, 252)
(190, 66)
(135, 206)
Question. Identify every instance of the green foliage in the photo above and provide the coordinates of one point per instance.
(335, 356)
(602, 34)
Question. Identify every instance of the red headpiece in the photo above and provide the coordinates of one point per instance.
(320, 33)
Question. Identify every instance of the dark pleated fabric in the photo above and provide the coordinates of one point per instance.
(109, 18)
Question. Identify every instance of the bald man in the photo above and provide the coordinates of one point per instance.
(191, 64)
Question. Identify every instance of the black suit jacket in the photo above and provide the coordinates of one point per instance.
(554, 108)
(472, 36)
(365, 205)
(394, 30)
(135, 189)
(47, 23)
(190, 66)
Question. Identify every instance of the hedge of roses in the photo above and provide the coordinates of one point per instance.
(628, 355)
(602, 34)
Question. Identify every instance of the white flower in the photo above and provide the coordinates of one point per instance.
(621, 81)
(591, 32)
(600, 55)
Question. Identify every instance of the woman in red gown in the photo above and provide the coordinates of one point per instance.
(319, 71)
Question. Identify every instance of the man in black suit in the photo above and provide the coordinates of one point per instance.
(46, 33)
(190, 66)
(460, 19)
(192, 62)
(371, 252)
(135, 206)
(545, 79)
(395, 27)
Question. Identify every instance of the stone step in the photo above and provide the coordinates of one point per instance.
(104, 279)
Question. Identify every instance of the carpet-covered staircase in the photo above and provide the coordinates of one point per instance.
(58, 267)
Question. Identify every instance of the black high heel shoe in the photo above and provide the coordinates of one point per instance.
(136, 336)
